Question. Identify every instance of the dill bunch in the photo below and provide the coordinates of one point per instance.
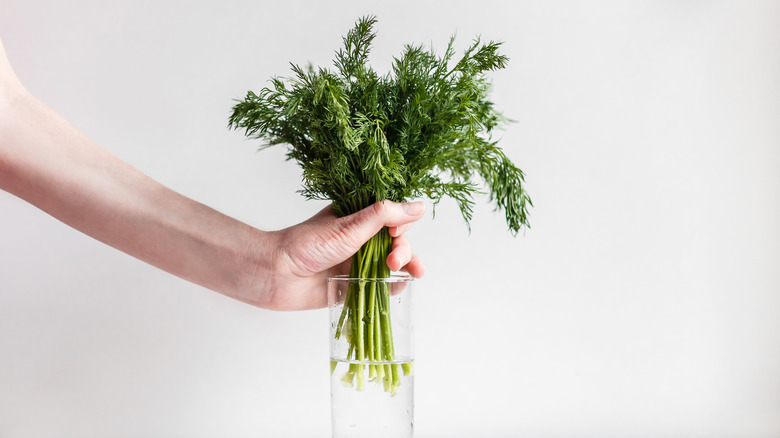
(421, 130)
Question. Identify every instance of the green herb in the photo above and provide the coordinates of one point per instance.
(422, 130)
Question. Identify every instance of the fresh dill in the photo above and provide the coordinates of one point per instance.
(422, 130)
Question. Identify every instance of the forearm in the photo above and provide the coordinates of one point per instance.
(47, 162)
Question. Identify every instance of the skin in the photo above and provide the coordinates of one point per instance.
(48, 163)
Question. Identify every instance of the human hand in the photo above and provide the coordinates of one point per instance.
(305, 255)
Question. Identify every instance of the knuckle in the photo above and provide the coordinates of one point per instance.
(379, 208)
(343, 232)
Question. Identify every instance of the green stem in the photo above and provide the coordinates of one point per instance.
(361, 316)
(347, 303)
(371, 320)
(366, 310)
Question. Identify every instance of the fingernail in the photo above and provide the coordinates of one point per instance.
(413, 208)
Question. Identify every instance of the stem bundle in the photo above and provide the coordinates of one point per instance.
(365, 318)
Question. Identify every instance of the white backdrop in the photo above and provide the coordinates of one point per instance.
(644, 301)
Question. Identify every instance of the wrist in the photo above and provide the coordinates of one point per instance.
(260, 267)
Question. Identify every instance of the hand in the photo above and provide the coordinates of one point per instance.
(306, 254)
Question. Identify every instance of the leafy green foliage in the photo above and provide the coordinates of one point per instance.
(422, 130)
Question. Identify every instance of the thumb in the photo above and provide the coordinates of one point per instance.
(357, 228)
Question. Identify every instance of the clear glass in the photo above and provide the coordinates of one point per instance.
(372, 383)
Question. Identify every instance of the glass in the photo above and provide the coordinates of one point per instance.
(371, 357)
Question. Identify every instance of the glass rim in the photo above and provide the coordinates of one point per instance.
(393, 278)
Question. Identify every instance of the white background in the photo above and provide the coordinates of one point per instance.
(643, 302)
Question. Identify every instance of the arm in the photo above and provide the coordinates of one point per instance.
(47, 162)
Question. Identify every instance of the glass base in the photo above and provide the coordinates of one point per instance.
(366, 404)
